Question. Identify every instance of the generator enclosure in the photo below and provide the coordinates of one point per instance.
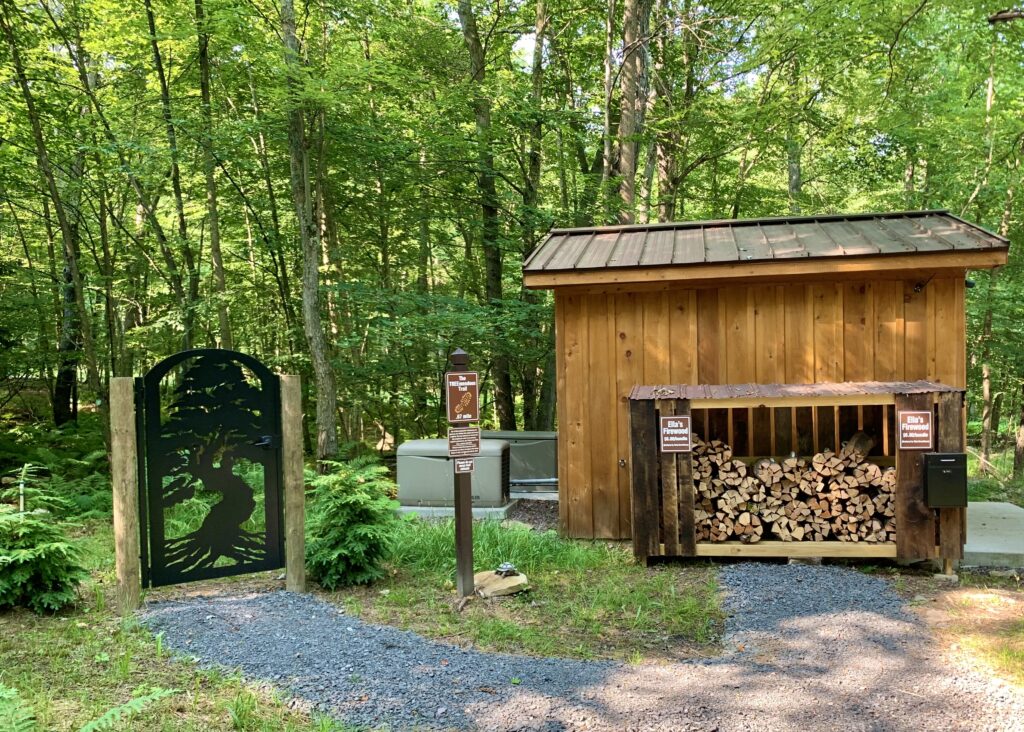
(945, 479)
(426, 474)
(533, 458)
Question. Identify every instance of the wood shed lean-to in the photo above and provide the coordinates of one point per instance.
(781, 301)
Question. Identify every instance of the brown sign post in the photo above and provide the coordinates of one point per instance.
(462, 392)
(915, 430)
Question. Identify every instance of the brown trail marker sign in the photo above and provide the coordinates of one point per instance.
(463, 396)
(675, 433)
(463, 442)
(915, 430)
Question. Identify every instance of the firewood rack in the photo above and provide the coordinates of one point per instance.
(777, 421)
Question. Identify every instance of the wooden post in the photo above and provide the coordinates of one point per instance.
(463, 509)
(951, 439)
(915, 522)
(643, 466)
(124, 467)
(687, 526)
(669, 487)
(294, 484)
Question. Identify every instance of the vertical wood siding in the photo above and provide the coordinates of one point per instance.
(796, 333)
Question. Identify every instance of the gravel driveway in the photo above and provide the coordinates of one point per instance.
(808, 648)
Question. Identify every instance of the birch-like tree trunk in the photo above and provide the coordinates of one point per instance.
(309, 236)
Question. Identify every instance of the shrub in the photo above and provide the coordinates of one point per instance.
(351, 521)
(39, 569)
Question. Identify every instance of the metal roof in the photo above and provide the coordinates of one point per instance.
(784, 391)
(754, 240)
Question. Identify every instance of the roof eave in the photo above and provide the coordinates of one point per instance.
(797, 268)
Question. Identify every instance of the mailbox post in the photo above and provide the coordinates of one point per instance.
(463, 403)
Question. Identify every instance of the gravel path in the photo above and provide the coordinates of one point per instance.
(808, 648)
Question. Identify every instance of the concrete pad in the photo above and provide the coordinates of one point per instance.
(535, 495)
(995, 535)
(497, 513)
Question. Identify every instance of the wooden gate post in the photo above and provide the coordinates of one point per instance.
(124, 467)
(294, 484)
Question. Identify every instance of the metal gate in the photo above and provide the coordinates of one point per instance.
(209, 425)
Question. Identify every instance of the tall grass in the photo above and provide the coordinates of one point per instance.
(427, 546)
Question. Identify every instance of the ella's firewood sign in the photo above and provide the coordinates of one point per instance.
(915, 430)
(675, 434)
(463, 394)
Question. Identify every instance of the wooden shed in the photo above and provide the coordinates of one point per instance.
(795, 300)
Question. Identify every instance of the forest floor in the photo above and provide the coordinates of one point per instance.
(73, 666)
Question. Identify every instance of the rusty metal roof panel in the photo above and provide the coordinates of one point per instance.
(752, 240)
(697, 392)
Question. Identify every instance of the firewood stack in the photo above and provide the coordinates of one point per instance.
(833, 496)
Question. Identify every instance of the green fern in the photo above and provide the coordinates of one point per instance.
(15, 716)
(134, 706)
(39, 569)
(351, 523)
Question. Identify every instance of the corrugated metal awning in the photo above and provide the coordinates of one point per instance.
(857, 392)
(759, 240)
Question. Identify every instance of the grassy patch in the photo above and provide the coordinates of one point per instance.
(998, 485)
(72, 667)
(588, 599)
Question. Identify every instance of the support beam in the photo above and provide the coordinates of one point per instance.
(125, 479)
(294, 484)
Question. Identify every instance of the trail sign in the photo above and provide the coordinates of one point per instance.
(463, 393)
(463, 442)
(463, 396)
(675, 433)
(915, 430)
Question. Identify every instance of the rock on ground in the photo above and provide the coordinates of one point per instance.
(807, 648)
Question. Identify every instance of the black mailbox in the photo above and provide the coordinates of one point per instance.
(945, 479)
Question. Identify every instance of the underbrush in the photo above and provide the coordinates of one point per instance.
(77, 666)
(997, 484)
(71, 461)
(587, 599)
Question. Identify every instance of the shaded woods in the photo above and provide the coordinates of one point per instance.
(348, 190)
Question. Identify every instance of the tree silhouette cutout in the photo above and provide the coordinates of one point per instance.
(216, 417)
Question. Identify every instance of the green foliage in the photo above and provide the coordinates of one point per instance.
(39, 568)
(111, 717)
(69, 463)
(15, 716)
(429, 546)
(351, 522)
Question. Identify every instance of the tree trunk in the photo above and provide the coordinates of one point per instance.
(326, 394)
(631, 81)
(1018, 451)
(209, 166)
(489, 208)
(74, 291)
(191, 270)
(795, 187)
(609, 87)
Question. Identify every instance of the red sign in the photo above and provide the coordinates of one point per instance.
(675, 433)
(915, 430)
(463, 442)
(463, 396)
(463, 465)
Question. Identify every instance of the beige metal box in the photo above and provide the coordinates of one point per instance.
(426, 476)
(533, 459)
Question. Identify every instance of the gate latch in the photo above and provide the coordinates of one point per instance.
(266, 442)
